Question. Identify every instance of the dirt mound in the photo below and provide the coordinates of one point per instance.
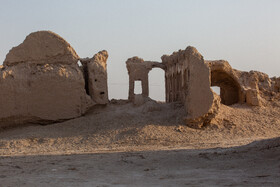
(122, 126)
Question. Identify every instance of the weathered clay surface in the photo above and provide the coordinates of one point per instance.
(205, 119)
(188, 81)
(42, 47)
(226, 78)
(41, 93)
(240, 86)
(95, 70)
(138, 70)
(42, 82)
(276, 84)
(43, 85)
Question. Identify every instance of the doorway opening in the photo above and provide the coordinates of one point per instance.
(138, 87)
(229, 88)
(157, 84)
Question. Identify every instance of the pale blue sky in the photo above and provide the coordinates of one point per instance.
(244, 32)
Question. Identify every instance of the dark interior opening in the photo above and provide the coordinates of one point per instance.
(85, 73)
(229, 88)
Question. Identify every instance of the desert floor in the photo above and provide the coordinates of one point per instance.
(148, 145)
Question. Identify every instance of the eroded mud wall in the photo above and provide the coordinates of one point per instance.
(96, 78)
(240, 86)
(41, 82)
(188, 81)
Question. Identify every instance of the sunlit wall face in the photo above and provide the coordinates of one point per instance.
(246, 33)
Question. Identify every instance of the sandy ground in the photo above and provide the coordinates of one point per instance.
(124, 145)
(253, 165)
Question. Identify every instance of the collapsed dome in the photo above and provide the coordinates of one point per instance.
(42, 47)
(41, 82)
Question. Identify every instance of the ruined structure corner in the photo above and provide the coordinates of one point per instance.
(95, 74)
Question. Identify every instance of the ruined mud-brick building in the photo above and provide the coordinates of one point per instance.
(41, 82)
(188, 79)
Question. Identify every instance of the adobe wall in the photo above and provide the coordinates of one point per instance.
(241, 86)
(188, 81)
(41, 82)
(227, 79)
(138, 70)
(276, 84)
(95, 71)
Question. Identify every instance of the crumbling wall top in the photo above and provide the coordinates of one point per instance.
(136, 64)
(101, 57)
(95, 72)
(179, 56)
(42, 47)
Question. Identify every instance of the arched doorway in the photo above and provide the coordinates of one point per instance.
(229, 88)
(157, 84)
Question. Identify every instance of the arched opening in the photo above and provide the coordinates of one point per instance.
(157, 84)
(229, 88)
